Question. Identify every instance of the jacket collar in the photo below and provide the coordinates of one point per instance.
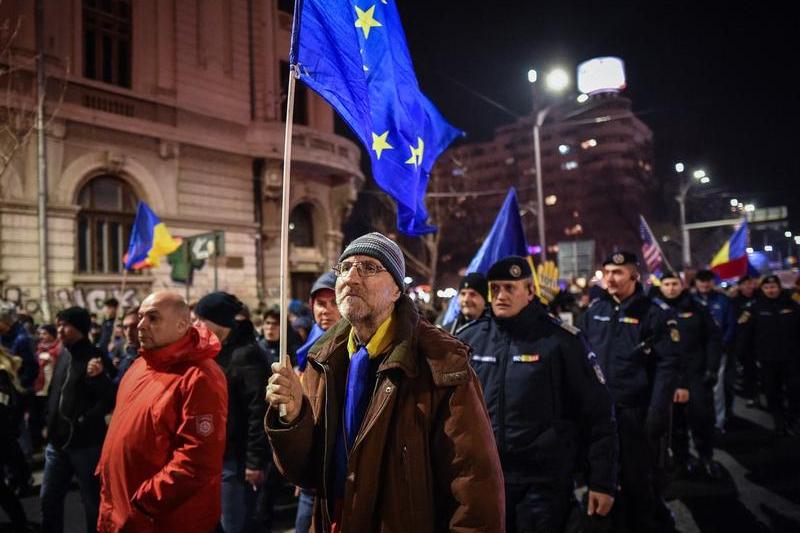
(402, 351)
(197, 344)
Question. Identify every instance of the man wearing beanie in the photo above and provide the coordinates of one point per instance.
(161, 465)
(246, 371)
(472, 297)
(388, 425)
(81, 395)
(770, 328)
(547, 400)
(700, 350)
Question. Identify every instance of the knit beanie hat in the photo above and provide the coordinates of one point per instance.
(380, 247)
(220, 308)
(78, 318)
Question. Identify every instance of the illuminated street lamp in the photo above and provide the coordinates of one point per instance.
(700, 176)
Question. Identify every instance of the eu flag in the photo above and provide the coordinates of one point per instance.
(507, 237)
(354, 54)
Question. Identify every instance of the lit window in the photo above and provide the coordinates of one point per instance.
(563, 149)
(590, 143)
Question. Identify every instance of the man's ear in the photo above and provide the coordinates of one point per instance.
(397, 294)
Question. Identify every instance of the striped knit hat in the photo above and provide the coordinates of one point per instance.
(378, 246)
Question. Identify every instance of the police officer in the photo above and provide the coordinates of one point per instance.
(721, 309)
(771, 330)
(700, 350)
(472, 296)
(746, 289)
(547, 401)
(636, 342)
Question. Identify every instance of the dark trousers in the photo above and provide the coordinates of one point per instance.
(537, 507)
(11, 505)
(696, 415)
(749, 376)
(238, 499)
(780, 381)
(59, 467)
(634, 507)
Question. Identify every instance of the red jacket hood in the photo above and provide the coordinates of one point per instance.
(198, 344)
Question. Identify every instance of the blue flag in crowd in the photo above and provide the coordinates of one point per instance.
(505, 238)
(353, 53)
(302, 352)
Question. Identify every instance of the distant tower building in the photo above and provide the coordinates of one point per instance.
(597, 169)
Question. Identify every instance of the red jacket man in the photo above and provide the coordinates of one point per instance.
(161, 465)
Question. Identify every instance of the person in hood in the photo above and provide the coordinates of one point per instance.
(547, 401)
(246, 371)
(81, 395)
(388, 424)
(161, 465)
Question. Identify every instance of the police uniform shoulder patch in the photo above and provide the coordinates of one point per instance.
(662, 304)
(674, 334)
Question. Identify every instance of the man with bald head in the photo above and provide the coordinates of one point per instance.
(161, 465)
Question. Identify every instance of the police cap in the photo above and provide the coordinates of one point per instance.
(622, 258)
(475, 281)
(669, 274)
(771, 279)
(511, 268)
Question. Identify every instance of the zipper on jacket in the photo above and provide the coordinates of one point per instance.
(501, 407)
(61, 401)
(362, 434)
(325, 510)
(407, 469)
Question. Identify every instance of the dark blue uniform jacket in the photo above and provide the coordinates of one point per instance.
(545, 395)
(636, 342)
(701, 339)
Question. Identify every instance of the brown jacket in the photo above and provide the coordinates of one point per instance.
(425, 457)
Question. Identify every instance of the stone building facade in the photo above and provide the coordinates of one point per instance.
(181, 104)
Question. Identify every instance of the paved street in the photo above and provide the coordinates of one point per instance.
(760, 491)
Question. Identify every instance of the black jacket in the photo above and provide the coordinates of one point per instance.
(637, 346)
(77, 404)
(770, 328)
(545, 396)
(701, 339)
(246, 372)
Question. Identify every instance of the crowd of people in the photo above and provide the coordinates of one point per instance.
(383, 419)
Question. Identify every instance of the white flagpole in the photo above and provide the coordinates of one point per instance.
(285, 205)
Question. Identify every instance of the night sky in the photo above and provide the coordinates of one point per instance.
(715, 84)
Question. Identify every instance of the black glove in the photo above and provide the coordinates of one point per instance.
(710, 378)
(656, 424)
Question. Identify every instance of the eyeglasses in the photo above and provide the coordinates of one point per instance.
(365, 270)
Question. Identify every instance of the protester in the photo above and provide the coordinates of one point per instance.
(125, 353)
(322, 301)
(407, 445)
(472, 296)
(110, 307)
(700, 349)
(636, 342)
(161, 465)
(48, 350)
(246, 372)
(547, 402)
(10, 452)
(15, 338)
(81, 395)
(272, 337)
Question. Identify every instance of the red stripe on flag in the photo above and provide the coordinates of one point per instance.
(732, 269)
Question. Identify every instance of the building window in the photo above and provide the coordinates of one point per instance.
(301, 226)
(108, 207)
(300, 96)
(107, 41)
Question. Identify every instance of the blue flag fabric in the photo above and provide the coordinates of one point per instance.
(302, 352)
(507, 237)
(353, 53)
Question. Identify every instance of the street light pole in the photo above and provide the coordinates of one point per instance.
(537, 156)
(685, 244)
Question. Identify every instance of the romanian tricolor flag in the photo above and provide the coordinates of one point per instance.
(150, 240)
(731, 261)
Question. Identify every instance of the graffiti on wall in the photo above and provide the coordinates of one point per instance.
(91, 298)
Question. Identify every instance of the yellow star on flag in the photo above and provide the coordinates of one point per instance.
(379, 143)
(366, 20)
(416, 153)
